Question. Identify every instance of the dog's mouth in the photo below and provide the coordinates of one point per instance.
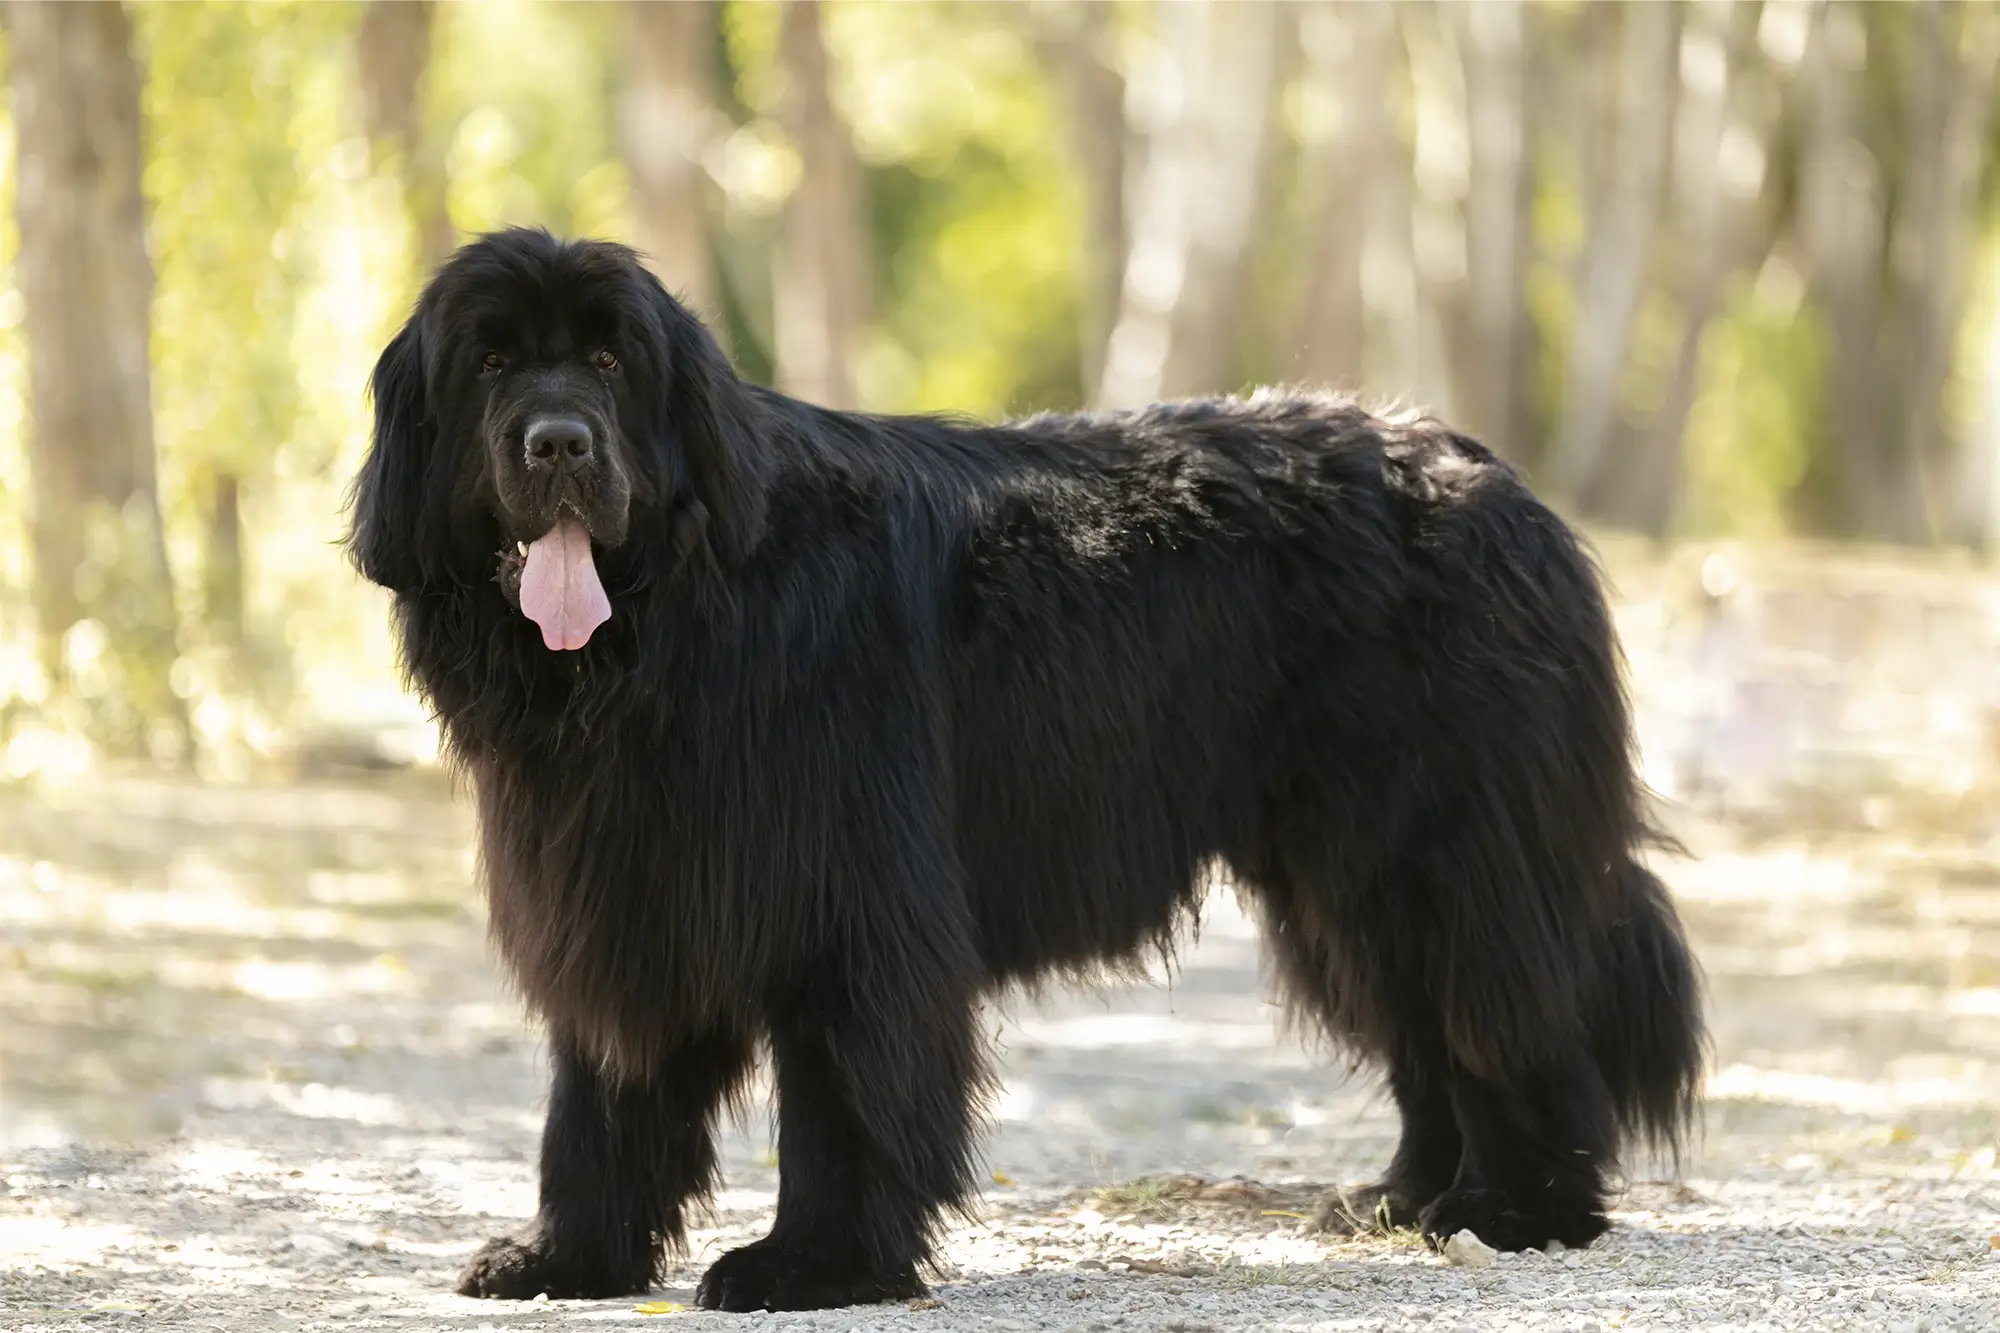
(553, 581)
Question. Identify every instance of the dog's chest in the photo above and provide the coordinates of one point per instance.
(596, 905)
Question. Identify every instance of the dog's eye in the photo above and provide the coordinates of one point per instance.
(491, 365)
(606, 360)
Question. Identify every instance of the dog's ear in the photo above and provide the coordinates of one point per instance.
(389, 494)
(717, 421)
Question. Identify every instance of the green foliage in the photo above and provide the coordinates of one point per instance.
(284, 256)
(114, 666)
(1756, 421)
(524, 95)
(247, 110)
(221, 185)
(978, 219)
(981, 262)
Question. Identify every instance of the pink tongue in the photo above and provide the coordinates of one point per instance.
(559, 587)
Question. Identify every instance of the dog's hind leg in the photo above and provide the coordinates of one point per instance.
(1478, 1006)
(1425, 1164)
(1538, 1145)
(1357, 982)
(621, 1159)
(1542, 1135)
(1510, 933)
(875, 1123)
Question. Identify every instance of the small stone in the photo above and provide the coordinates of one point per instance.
(312, 1246)
(1465, 1250)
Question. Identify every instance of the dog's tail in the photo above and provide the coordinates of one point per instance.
(1646, 1030)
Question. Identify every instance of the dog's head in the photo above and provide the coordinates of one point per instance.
(549, 408)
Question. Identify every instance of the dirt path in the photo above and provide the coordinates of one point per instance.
(333, 1101)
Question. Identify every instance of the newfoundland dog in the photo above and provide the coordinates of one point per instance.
(805, 730)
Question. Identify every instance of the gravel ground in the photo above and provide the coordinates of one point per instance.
(279, 1003)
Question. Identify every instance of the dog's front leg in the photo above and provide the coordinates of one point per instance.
(621, 1160)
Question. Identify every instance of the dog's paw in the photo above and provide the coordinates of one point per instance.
(521, 1268)
(769, 1276)
(1361, 1210)
(1499, 1219)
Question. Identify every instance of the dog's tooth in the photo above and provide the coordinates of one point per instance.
(521, 547)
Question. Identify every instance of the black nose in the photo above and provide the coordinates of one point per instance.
(563, 440)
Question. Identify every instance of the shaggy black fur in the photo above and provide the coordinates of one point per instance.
(891, 712)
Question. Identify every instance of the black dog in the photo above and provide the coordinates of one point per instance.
(809, 729)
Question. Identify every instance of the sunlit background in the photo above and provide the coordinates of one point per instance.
(1705, 271)
(1723, 278)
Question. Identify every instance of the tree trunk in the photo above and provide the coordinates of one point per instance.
(1623, 217)
(87, 284)
(1972, 510)
(1714, 235)
(1414, 362)
(222, 575)
(821, 288)
(666, 122)
(1855, 485)
(1976, 508)
(1075, 40)
(1193, 203)
(1499, 354)
(1949, 125)
(1349, 56)
(1437, 168)
(392, 52)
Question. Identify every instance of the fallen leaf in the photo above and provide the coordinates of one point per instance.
(927, 1303)
(1280, 1212)
(1902, 1134)
(658, 1307)
(1002, 1178)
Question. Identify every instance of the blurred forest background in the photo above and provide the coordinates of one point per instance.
(1710, 269)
